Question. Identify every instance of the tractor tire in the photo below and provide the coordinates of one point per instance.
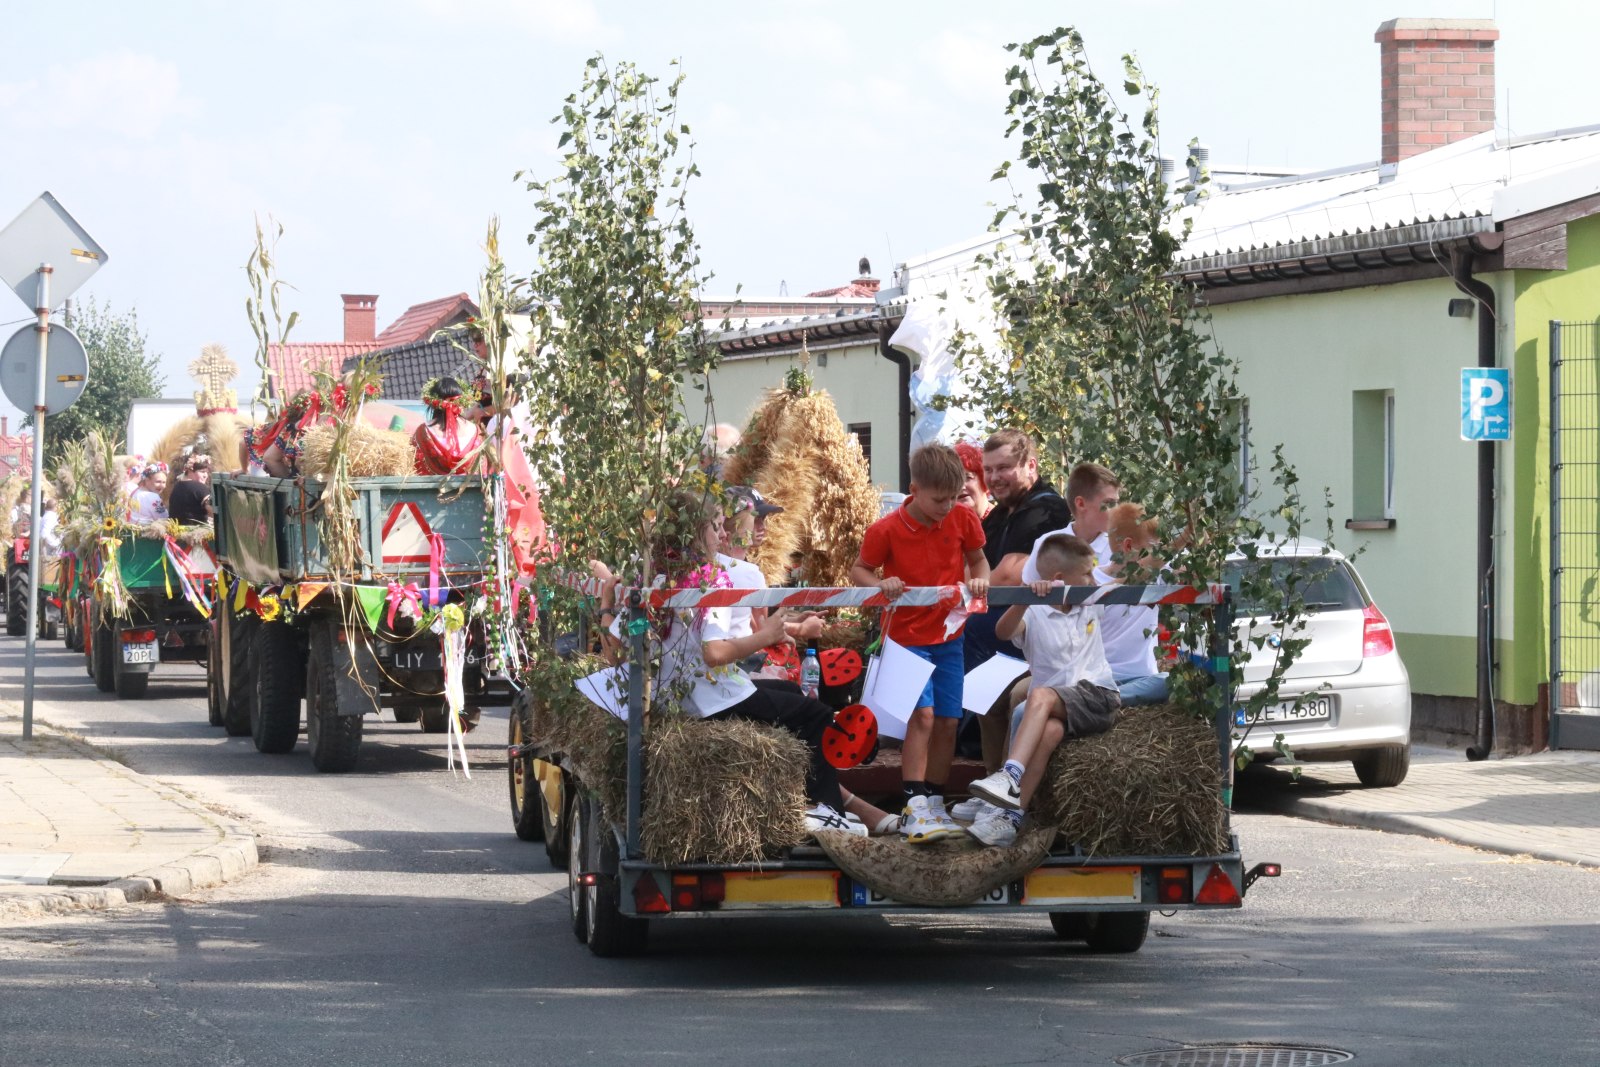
(1383, 768)
(1117, 932)
(17, 589)
(216, 696)
(280, 674)
(435, 720)
(557, 824)
(334, 739)
(130, 685)
(409, 713)
(238, 676)
(527, 801)
(105, 648)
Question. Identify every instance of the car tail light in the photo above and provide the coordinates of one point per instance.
(138, 637)
(647, 896)
(1174, 885)
(1377, 638)
(1218, 888)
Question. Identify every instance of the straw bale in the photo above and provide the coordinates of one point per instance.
(755, 444)
(722, 792)
(942, 874)
(169, 448)
(369, 452)
(1150, 786)
(591, 739)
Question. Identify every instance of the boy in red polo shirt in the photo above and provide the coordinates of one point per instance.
(928, 541)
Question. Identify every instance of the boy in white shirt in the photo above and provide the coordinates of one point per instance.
(1072, 692)
(1093, 491)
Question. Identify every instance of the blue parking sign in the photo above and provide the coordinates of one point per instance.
(1485, 404)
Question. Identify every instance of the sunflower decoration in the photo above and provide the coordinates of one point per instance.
(109, 526)
(271, 608)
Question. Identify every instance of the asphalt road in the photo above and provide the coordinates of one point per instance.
(396, 920)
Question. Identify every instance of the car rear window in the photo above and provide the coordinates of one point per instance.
(1323, 584)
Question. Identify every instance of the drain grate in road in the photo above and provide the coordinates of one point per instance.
(1256, 1055)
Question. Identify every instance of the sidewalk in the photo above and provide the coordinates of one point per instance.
(79, 830)
(1546, 805)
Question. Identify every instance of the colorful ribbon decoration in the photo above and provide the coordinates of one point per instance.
(187, 579)
(398, 594)
(436, 558)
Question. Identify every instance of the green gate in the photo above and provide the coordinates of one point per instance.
(1575, 535)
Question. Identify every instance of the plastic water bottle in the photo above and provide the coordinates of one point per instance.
(810, 673)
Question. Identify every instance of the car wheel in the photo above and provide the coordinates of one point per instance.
(1383, 768)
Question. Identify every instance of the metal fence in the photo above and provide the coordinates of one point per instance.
(1574, 534)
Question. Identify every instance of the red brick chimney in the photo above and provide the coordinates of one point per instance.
(1438, 82)
(360, 318)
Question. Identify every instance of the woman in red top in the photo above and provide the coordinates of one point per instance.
(446, 442)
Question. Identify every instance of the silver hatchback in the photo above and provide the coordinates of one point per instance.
(1347, 696)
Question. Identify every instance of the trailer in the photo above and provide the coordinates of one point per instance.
(615, 892)
(294, 631)
(141, 604)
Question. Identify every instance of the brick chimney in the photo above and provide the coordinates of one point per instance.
(360, 318)
(1438, 82)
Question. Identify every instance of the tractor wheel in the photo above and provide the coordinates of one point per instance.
(334, 739)
(280, 675)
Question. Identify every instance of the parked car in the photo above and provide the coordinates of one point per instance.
(1347, 696)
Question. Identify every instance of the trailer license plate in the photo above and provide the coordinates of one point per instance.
(793, 889)
(140, 653)
(863, 897)
(1081, 885)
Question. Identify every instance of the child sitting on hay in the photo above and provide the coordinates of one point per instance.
(1072, 692)
(928, 540)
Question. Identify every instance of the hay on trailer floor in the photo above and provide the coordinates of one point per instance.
(369, 452)
(1150, 786)
(722, 792)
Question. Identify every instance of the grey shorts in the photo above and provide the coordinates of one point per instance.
(1091, 709)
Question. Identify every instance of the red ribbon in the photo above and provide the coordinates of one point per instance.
(436, 555)
(398, 594)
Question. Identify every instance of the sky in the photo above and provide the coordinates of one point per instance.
(383, 136)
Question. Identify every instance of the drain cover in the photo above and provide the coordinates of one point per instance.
(1258, 1055)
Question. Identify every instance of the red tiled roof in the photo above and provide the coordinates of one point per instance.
(16, 454)
(421, 320)
(860, 289)
(293, 363)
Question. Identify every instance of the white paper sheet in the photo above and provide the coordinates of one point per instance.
(985, 682)
(607, 689)
(896, 677)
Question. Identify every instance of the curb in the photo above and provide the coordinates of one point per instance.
(1330, 812)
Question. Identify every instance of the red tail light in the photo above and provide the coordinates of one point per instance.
(647, 896)
(138, 637)
(685, 892)
(1174, 885)
(1377, 638)
(1218, 889)
(713, 889)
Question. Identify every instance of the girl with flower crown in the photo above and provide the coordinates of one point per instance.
(446, 442)
(146, 499)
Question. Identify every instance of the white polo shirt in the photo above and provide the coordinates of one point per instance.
(1064, 648)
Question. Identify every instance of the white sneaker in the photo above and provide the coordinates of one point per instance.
(920, 825)
(999, 790)
(970, 810)
(823, 818)
(994, 827)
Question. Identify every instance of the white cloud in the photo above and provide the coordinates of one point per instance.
(123, 93)
(555, 18)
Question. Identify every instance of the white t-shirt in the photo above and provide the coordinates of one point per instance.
(1129, 648)
(147, 506)
(1063, 648)
(711, 689)
(1101, 546)
(744, 575)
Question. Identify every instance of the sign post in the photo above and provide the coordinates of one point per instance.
(42, 234)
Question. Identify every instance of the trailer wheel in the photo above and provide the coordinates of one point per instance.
(1383, 768)
(105, 643)
(280, 673)
(408, 713)
(17, 589)
(1070, 925)
(216, 699)
(130, 685)
(611, 934)
(238, 678)
(577, 895)
(527, 806)
(1117, 931)
(334, 739)
(434, 719)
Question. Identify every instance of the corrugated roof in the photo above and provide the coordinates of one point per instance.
(421, 320)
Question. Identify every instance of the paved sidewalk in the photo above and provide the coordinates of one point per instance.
(1546, 805)
(80, 830)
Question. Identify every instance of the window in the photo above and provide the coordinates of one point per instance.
(862, 432)
(1372, 461)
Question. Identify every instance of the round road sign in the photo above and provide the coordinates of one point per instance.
(66, 369)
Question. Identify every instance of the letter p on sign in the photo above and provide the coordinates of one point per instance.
(1485, 404)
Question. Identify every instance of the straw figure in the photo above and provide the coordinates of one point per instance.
(216, 427)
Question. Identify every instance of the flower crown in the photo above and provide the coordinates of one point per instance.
(431, 397)
(152, 468)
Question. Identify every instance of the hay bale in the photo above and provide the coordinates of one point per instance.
(593, 740)
(369, 452)
(722, 792)
(1149, 786)
(942, 874)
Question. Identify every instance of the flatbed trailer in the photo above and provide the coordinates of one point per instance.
(152, 621)
(615, 892)
(419, 536)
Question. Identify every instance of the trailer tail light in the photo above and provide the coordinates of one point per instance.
(713, 889)
(1377, 638)
(695, 892)
(138, 637)
(1218, 889)
(647, 898)
(1174, 885)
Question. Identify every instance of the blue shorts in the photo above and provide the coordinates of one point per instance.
(943, 691)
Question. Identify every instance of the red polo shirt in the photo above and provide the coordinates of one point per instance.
(922, 555)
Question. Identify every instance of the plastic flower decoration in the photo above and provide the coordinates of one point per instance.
(271, 608)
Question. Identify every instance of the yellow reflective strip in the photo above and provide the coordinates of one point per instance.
(1100, 884)
(747, 888)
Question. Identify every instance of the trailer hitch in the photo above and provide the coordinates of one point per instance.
(1261, 870)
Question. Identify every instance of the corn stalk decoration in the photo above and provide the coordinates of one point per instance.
(266, 298)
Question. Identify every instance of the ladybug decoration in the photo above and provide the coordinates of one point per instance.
(784, 657)
(851, 737)
(840, 666)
